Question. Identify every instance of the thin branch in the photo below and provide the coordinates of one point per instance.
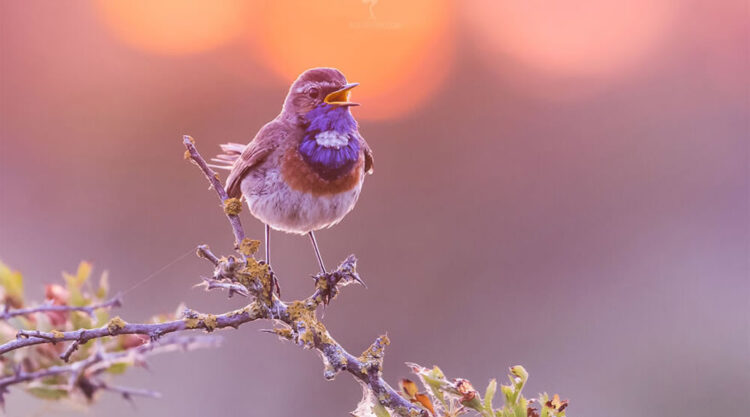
(204, 252)
(213, 178)
(212, 284)
(69, 350)
(116, 326)
(327, 285)
(111, 303)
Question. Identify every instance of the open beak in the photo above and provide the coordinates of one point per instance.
(341, 97)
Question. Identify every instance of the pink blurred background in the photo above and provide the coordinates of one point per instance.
(562, 185)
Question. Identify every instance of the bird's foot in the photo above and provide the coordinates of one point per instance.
(275, 287)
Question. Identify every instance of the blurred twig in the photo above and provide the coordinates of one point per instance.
(100, 361)
(8, 313)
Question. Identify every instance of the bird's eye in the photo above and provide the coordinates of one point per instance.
(313, 92)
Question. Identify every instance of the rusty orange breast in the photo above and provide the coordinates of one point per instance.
(300, 176)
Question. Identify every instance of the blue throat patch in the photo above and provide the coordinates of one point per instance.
(330, 162)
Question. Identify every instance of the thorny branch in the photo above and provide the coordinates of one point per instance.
(297, 320)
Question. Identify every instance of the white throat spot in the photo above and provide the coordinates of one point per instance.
(331, 139)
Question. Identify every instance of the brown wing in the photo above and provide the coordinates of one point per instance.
(267, 139)
(369, 159)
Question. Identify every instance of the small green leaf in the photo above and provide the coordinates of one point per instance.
(103, 289)
(489, 395)
(80, 320)
(47, 392)
(520, 372)
(84, 271)
(508, 392)
(521, 407)
(380, 411)
(75, 282)
(435, 380)
(12, 282)
(543, 398)
(434, 377)
(118, 368)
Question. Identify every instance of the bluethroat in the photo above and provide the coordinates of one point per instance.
(304, 170)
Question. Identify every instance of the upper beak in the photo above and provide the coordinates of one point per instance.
(341, 97)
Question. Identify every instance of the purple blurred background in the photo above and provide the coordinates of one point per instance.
(591, 225)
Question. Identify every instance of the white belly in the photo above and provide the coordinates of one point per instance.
(274, 203)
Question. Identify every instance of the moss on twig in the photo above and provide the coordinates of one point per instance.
(232, 206)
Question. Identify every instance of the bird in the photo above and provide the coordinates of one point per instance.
(304, 170)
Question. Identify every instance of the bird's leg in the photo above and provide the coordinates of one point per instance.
(268, 245)
(268, 260)
(317, 252)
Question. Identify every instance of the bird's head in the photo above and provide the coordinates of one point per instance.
(317, 88)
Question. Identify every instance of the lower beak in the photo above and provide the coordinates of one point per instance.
(341, 97)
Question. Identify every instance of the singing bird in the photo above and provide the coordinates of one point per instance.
(304, 170)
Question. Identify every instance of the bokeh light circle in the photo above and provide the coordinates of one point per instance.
(175, 27)
(400, 52)
(571, 38)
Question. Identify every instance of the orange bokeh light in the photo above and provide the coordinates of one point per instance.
(175, 27)
(579, 38)
(400, 52)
